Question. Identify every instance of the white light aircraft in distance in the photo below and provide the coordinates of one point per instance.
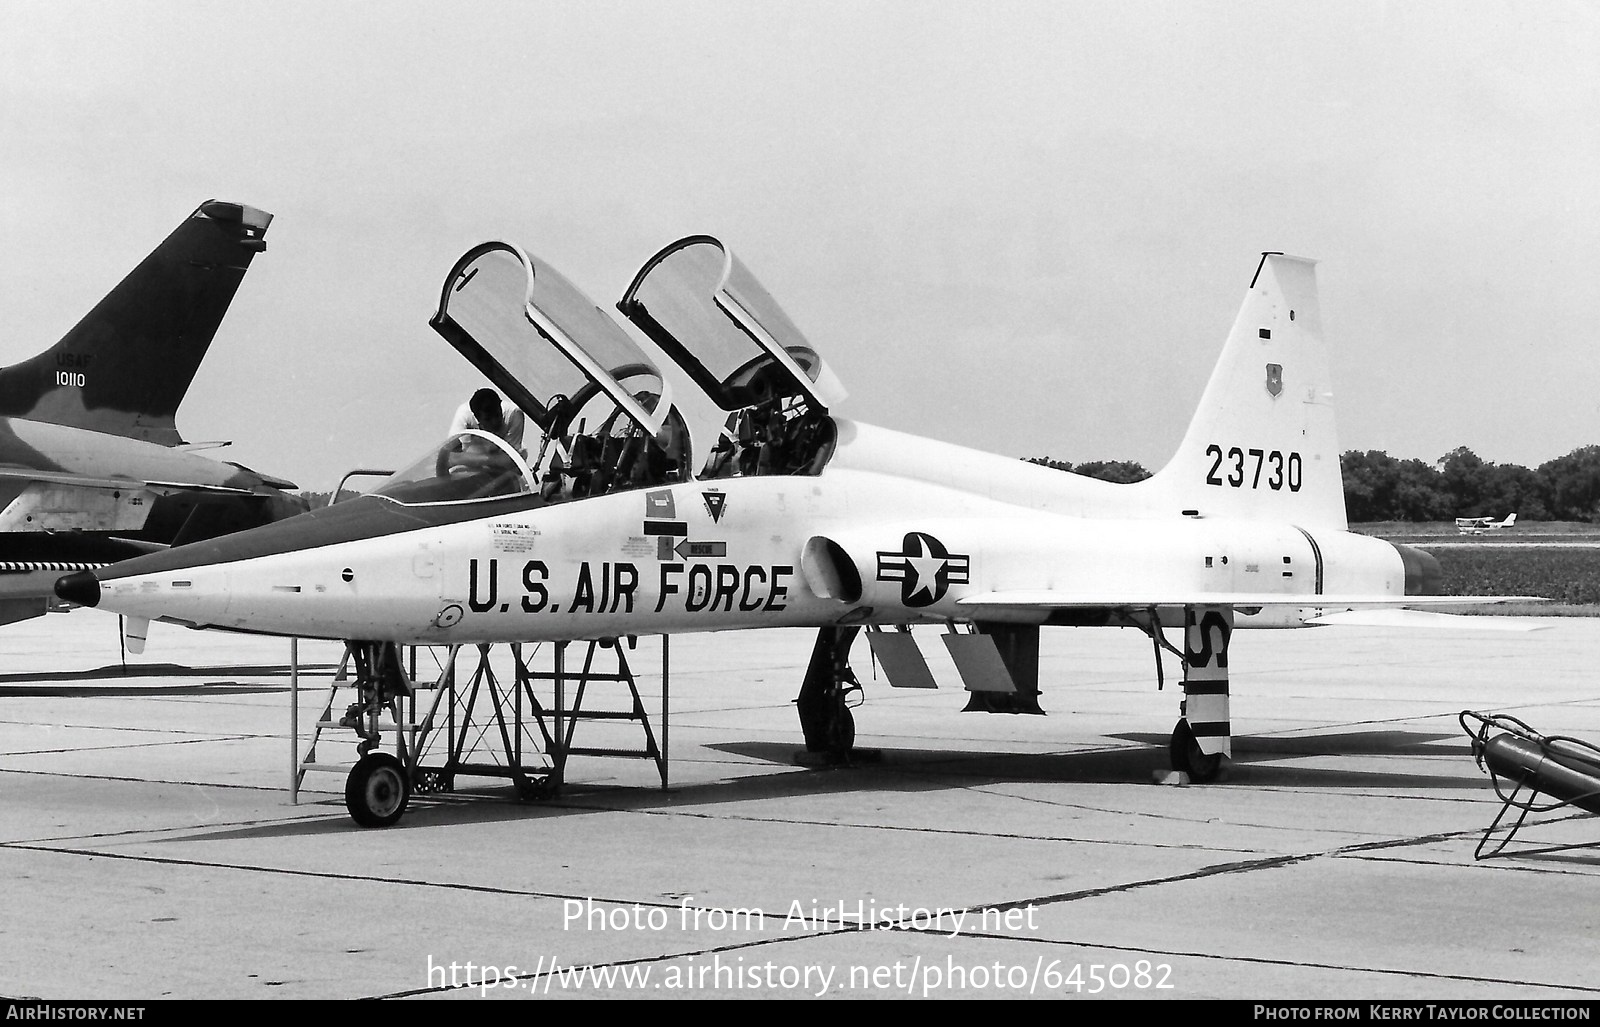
(778, 513)
(1483, 525)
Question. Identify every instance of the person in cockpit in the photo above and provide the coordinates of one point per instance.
(486, 411)
(477, 465)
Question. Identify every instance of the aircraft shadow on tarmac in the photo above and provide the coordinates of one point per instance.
(1257, 761)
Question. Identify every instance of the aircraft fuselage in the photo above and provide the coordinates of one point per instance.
(848, 547)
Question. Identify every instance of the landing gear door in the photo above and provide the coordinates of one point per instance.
(542, 341)
(704, 308)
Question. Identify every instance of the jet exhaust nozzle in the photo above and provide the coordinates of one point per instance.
(81, 587)
(1424, 576)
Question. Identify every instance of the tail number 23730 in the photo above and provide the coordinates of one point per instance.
(1254, 469)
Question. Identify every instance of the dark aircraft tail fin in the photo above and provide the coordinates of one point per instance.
(125, 367)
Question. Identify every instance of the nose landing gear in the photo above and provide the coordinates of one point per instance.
(377, 790)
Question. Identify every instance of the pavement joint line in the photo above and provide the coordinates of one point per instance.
(797, 822)
(327, 875)
(1352, 849)
(152, 834)
(1244, 867)
(1268, 961)
(134, 730)
(124, 745)
(1502, 867)
(141, 780)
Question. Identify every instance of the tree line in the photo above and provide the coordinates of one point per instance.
(1379, 487)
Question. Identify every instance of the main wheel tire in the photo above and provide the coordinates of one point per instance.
(377, 790)
(1185, 755)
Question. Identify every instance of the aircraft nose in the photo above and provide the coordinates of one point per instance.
(82, 588)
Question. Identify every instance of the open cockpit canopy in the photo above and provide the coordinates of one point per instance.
(469, 466)
(544, 343)
(603, 406)
(697, 302)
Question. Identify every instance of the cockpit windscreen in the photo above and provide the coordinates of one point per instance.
(469, 466)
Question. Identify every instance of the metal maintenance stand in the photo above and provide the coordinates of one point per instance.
(495, 711)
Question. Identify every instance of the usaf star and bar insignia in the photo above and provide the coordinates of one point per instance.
(924, 568)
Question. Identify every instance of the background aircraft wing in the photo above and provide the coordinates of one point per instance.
(185, 486)
(66, 478)
(87, 481)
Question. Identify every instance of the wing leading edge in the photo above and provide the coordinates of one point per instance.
(1045, 600)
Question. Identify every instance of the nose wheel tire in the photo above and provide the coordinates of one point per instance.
(1186, 756)
(841, 730)
(377, 790)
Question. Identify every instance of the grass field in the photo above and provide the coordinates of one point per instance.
(1509, 563)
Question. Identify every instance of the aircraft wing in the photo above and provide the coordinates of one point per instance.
(1423, 619)
(1045, 600)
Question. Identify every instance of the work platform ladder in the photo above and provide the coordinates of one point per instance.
(506, 717)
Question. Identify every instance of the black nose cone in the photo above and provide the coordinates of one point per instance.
(82, 588)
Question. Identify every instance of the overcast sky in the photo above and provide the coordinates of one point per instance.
(1022, 226)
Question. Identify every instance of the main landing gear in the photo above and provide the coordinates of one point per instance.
(824, 700)
(1187, 757)
(1203, 735)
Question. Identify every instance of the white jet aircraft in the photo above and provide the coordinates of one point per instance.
(621, 524)
(1483, 525)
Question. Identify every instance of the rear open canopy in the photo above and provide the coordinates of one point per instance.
(704, 308)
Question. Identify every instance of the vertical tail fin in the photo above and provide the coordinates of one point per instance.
(1262, 444)
(125, 367)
